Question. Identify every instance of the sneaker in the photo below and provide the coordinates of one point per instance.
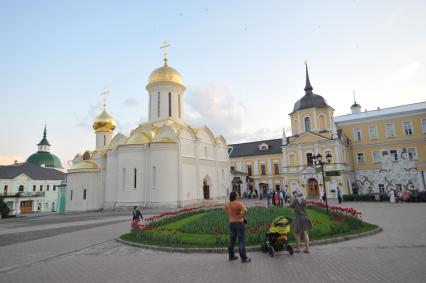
(233, 258)
(243, 260)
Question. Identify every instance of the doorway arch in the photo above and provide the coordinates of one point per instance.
(206, 187)
(313, 189)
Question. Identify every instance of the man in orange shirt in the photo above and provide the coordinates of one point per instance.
(236, 211)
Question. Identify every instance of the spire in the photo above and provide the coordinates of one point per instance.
(164, 46)
(308, 86)
(354, 97)
(44, 133)
(284, 141)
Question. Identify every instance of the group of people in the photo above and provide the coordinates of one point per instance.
(277, 198)
(237, 213)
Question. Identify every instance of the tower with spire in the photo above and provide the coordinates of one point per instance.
(355, 108)
(43, 157)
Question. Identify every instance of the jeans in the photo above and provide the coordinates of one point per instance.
(236, 230)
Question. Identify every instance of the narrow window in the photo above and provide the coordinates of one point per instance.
(263, 169)
(408, 128)
(357, 134)
(54, 188)
(249, 170)
(170, 104)
(71, 195)
(123, 181)
(381, 188)
(390, 130)
(179, 106)
(154, 177)
(360, 158)
(309, 159)
(412, 153)
(104, 140)
(393, 155)
(307, 124)
(135, 174)
(48, 187)
(34, 188)
(376, 156)
(158, 105)
(372, 131)
(424, 126)
(276, 169)
(41, 188)
(84, 194)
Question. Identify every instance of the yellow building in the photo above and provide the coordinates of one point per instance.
(369, 152)
(388, 147)
(261, 160)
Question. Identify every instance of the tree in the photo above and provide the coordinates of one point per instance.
(4, 209)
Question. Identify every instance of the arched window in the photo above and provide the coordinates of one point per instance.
(307, 124)
(135, 175)
(170, 104)
(154, 177)
(158, 105)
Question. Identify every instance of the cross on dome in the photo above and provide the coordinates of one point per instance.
(104, 95)
(164, 46)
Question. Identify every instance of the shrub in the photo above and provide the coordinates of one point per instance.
(4, 209)
(364, 197)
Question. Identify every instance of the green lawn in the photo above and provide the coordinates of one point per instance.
(210, 228)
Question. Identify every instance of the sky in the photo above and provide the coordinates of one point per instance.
(242, 63)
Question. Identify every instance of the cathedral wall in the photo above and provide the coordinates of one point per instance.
(111, 179)
(165, 183)
(131, 174)
(76, 184)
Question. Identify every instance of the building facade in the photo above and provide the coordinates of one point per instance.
(370, 152)
(30, 188)
(163, 162)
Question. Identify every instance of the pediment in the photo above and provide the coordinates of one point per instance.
(309, 137)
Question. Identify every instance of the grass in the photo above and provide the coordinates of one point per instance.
(210, 228)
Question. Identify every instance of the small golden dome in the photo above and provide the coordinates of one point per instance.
(104, 122)
(165, 74)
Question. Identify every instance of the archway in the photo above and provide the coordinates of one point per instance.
(206, 187)
(313, 189)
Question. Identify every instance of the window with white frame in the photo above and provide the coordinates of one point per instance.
(393, 154)
(360, 158)
(357, 134)
(307, 124)
(376, 156)
(263, 146)
(372, 132)
(424, 126)
(412, 153)
(262, 169)
(309, 158)
(408, 128)
(381, 188)
(390, 130)
(276, 169)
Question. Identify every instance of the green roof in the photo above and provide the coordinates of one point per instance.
(43, 142)
(45, 158)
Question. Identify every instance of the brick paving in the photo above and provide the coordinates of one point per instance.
(397, 254)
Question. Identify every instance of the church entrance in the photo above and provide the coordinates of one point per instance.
(313, 189)
(206, 187)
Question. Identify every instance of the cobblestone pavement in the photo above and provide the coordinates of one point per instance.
(397, 254)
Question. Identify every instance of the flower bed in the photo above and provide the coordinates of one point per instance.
(204, 226)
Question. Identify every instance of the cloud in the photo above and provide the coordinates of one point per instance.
(215, 107)
(405, 72)
(10, 159)
(130, 102)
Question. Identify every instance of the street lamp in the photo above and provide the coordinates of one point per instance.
(318, 158)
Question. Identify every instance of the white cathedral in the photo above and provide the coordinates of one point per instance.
(164, 162)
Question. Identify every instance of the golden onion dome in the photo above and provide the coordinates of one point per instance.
(165, 74)
(104, 122)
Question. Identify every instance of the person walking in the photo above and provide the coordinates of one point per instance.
(237, 212)
(302, 224)
(339, 195)
(137, 215)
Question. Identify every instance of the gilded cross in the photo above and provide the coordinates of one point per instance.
(164, 46)
(104, 95)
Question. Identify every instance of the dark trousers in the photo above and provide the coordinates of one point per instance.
(236, 230)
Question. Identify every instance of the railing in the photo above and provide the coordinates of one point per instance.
(23, 194)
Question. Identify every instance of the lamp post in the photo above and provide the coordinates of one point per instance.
(319, 161)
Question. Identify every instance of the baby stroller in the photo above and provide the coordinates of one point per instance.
(276, 238)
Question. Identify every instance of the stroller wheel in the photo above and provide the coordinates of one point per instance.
(290, 249)
(271, 251)
(263, 248)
